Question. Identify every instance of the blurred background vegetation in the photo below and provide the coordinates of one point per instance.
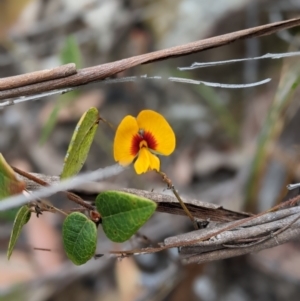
(235, 147)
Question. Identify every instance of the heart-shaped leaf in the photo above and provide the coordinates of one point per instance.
(79, 238)
(22, 217)
(80, 144)
(123, 213)
(9, 184)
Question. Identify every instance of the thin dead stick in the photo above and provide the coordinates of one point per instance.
(219, 254)
(42, 249)
(100, 72)
(71, 196)
(37, 77)
(29, 176)
(248, 232)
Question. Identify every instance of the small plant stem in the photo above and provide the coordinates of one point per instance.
(42, 205)
(108, 123)
(60, 211)
(78, 200)
(170, 185)
(29, 176)
(186, 210)
(78, 209)
(71, 196)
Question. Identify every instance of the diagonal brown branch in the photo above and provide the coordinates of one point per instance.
(166, 203)
(100, 72)
(37, 77)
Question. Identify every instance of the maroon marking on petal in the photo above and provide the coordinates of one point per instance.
(135, 144)
(150, 139)
(138, 138)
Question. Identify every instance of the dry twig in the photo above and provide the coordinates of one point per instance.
(97, 73)
(37, 77)
(166, 203)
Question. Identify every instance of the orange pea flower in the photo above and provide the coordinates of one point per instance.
(141, 138)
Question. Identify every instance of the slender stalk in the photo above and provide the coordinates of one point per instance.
(170, 185)
(43, 205)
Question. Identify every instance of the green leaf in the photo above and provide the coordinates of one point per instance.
(79, 238)
(80, 143)
(21, 219)
(9, 184)
(123, 213)
(64, 100)
(69, 54)
(50, 123)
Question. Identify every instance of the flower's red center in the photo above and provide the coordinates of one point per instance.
(142, 139)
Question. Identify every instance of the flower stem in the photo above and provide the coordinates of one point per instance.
(170, 185)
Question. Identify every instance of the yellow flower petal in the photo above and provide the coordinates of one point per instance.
(157, 125)
(142, 163)
(154, 162)
(126, 130)
(146, 161)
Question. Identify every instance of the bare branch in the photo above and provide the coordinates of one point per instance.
(199, 209)
(100, 72)
(37, 77)
(265, 231)
(288, 235)
(166, 203)
(99, 174)
(270, 221)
